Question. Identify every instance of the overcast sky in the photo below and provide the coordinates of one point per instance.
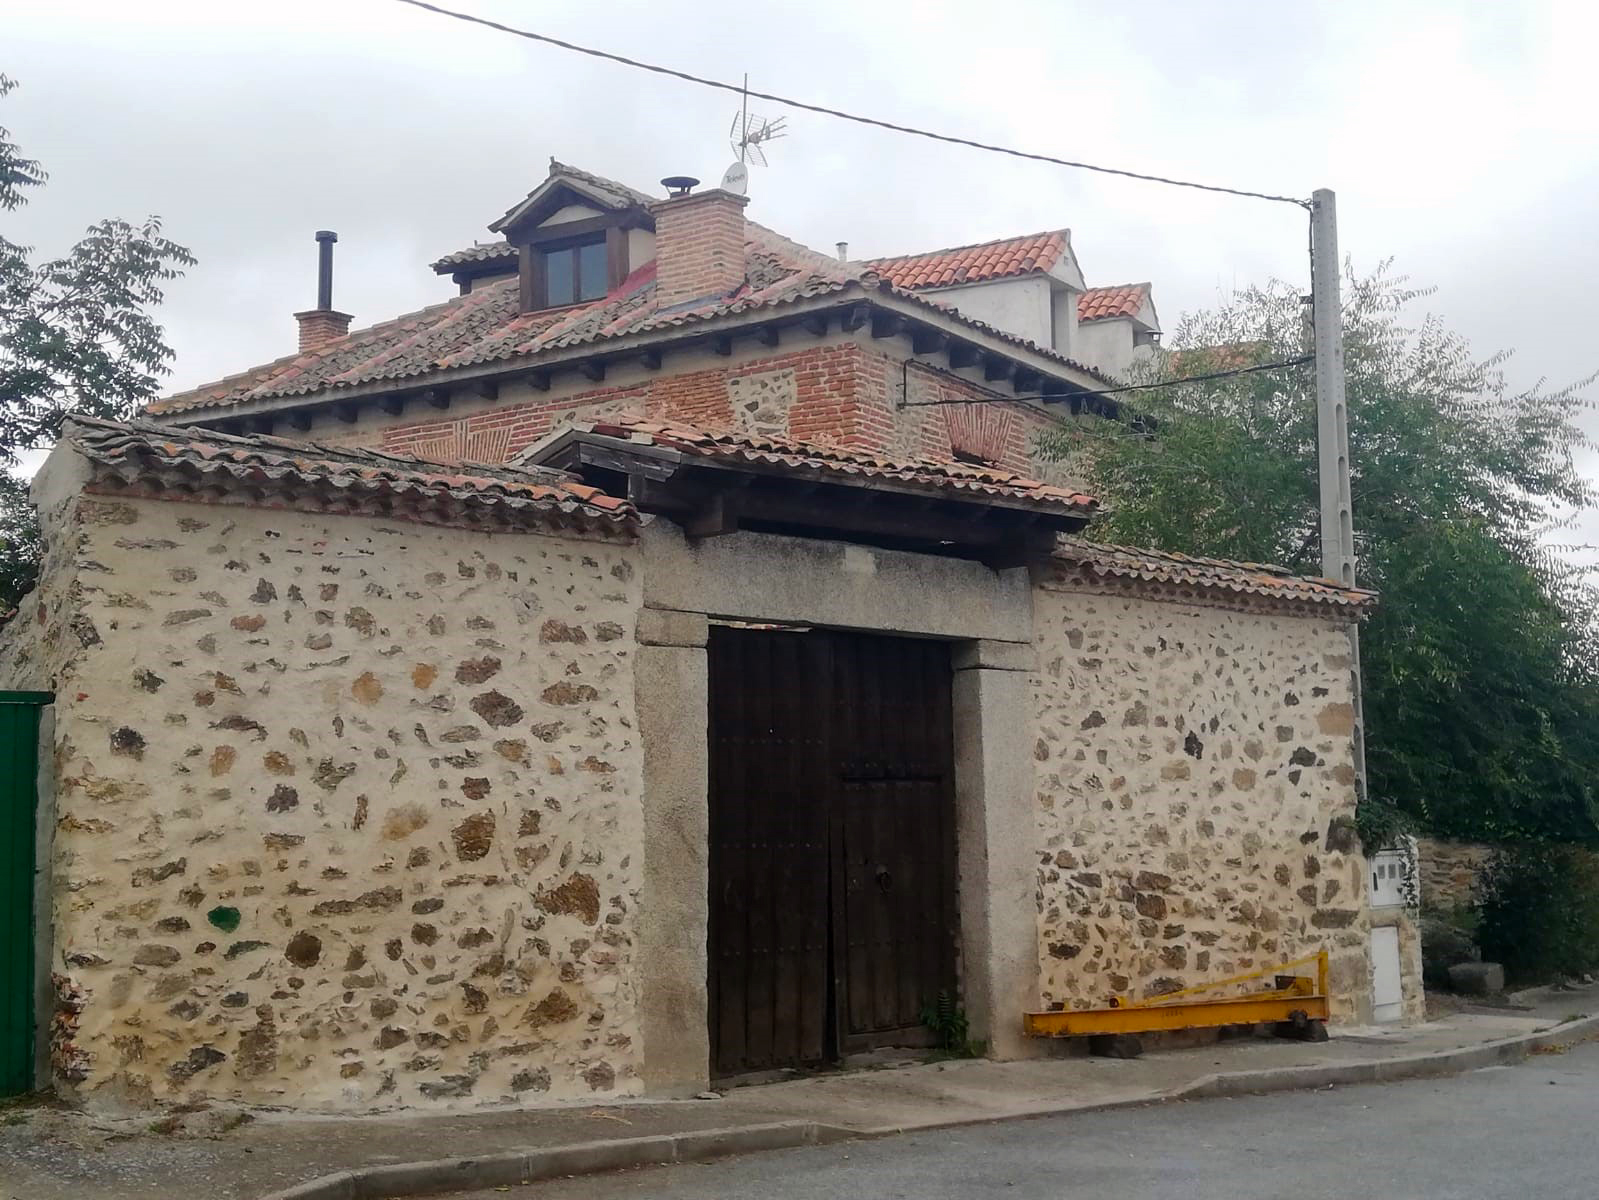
(1460, 138)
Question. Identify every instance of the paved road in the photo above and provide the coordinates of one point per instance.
(1521, 1132)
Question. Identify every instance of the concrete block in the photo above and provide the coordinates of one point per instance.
(669, 627)
(993, 655)
(338, 1186)
(585, 1158)
(439, 1175)
(716, 1143)
(1477, 979)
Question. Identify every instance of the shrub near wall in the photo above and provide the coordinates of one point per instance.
(1538, 910)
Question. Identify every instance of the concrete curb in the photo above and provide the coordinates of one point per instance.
(587, 1158)
(554, 1162)
(1383, 1070)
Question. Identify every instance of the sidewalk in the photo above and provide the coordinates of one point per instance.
(49, 1154)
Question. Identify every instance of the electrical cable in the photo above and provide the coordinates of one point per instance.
(789, 102)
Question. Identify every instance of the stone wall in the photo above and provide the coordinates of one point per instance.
(1195, 788)
(347, 809)
(1448, 871)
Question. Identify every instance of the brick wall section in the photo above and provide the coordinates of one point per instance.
(841, 393)
(699, 246)
(320, 326)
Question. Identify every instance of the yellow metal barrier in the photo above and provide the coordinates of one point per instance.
(1295, 999)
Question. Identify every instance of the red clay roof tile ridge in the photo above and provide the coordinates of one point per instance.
(1065, 235)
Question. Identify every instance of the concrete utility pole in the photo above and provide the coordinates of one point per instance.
(1332, 434)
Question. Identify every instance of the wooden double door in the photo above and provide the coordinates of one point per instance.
(832, 863)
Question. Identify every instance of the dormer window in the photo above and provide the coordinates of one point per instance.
(574, 271)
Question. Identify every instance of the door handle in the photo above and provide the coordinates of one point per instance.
(885, 881)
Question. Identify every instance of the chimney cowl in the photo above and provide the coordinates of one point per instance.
(679, 185)
(322, 324)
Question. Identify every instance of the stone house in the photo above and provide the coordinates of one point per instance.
(619, 677)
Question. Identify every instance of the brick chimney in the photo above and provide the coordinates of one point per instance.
(699, 244)
(322, 324)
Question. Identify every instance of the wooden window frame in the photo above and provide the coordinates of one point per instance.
(536, 243)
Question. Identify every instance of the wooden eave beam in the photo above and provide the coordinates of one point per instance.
(928, 341)
(886, 325)
(855, 316)
(996, 368)
(962, 354)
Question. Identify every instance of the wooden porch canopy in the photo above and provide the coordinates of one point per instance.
(715, 482)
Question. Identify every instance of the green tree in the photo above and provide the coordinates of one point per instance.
(1480, 667)
(76, 336)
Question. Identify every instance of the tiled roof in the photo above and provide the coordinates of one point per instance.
(175, 462)
(971, 264)
(1098, 560)
(495, 252)
(755, 450)
(1122, 300)
(485, 326)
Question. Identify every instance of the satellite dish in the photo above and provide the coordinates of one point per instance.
(737, 179)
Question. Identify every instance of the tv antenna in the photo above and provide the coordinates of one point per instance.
(748, 136)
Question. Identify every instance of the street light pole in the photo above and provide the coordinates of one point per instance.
(1332, 436)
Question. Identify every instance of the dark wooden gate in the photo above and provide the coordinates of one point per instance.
(832, 844)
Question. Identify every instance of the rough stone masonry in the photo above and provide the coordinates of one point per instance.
(347, 808)
(1195, 798)
(350, 808)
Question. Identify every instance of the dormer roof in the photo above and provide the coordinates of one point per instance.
(568, 185)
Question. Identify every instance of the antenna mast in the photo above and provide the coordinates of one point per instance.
(748, 135)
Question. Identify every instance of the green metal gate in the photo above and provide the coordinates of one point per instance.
(19, 770)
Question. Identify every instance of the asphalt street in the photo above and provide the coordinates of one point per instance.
(1524, 1131)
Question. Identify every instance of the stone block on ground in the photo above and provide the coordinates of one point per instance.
(1477, 978)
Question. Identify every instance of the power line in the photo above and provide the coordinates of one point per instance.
(839, 113)
(1062, 397)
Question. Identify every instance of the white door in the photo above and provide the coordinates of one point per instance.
(1387, 996)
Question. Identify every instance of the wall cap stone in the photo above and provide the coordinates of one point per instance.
(986, 654)
(671, 627)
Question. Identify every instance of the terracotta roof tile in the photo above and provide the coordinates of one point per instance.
(485, 326)
(489, 252)
(972, 264)
(1264, 580)
(754, 449)
(170, 461)
(1122, 300)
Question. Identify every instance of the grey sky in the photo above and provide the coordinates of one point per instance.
(1461, 140)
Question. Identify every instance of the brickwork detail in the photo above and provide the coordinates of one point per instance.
(699, 246)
